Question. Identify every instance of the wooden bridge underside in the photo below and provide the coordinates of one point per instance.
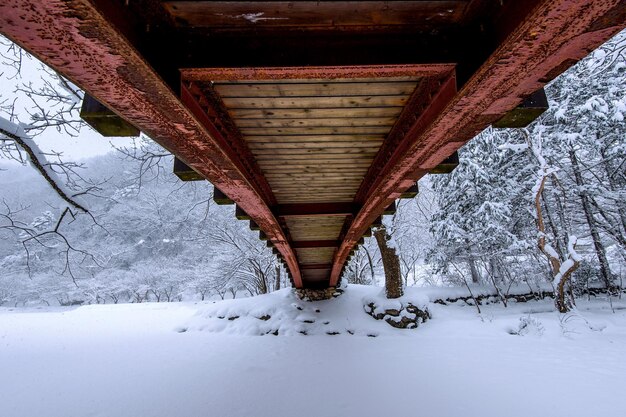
(312, 116)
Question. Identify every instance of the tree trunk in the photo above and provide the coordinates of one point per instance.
(562, 303)
(560, 277)
(593, 227)
(560, 212)
(474, 271)
(277, 283)
(262, 283)
(613, 186)
(371, 263)
(560, 243)
(391, 264)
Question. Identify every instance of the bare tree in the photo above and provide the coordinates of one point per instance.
(360, 269)
(149, 156)
(244, 261)
(53, 105)
(562, 266)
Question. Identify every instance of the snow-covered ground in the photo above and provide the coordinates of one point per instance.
(182, 359)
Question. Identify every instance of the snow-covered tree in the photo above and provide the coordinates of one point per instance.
(482, 218)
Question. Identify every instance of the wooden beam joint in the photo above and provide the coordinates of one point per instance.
(105, 121)
(412, 192)
(220, 198)
(526, 113)
(185, 172)
(240, 214)
(447, 165)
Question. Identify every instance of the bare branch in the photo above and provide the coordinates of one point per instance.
(35, 161)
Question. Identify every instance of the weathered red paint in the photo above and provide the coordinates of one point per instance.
(207, 107)
(429, 99)
(301, 73)
(74, 38)
(556, 34)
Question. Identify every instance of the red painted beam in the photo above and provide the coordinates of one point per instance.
(315, 209)
(302, 244)
(330, 72)
(76, 39)
(427, 101)
(207, 107)
(552, 36)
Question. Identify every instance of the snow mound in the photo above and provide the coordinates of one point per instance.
(282, 313)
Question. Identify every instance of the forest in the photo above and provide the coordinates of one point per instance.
(534, 207)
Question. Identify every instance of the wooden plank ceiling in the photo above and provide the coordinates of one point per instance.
(313, 155)
(314, 140)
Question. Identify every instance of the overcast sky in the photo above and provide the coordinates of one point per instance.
(87, 144)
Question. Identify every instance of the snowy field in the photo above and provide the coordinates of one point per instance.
(182, 359)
